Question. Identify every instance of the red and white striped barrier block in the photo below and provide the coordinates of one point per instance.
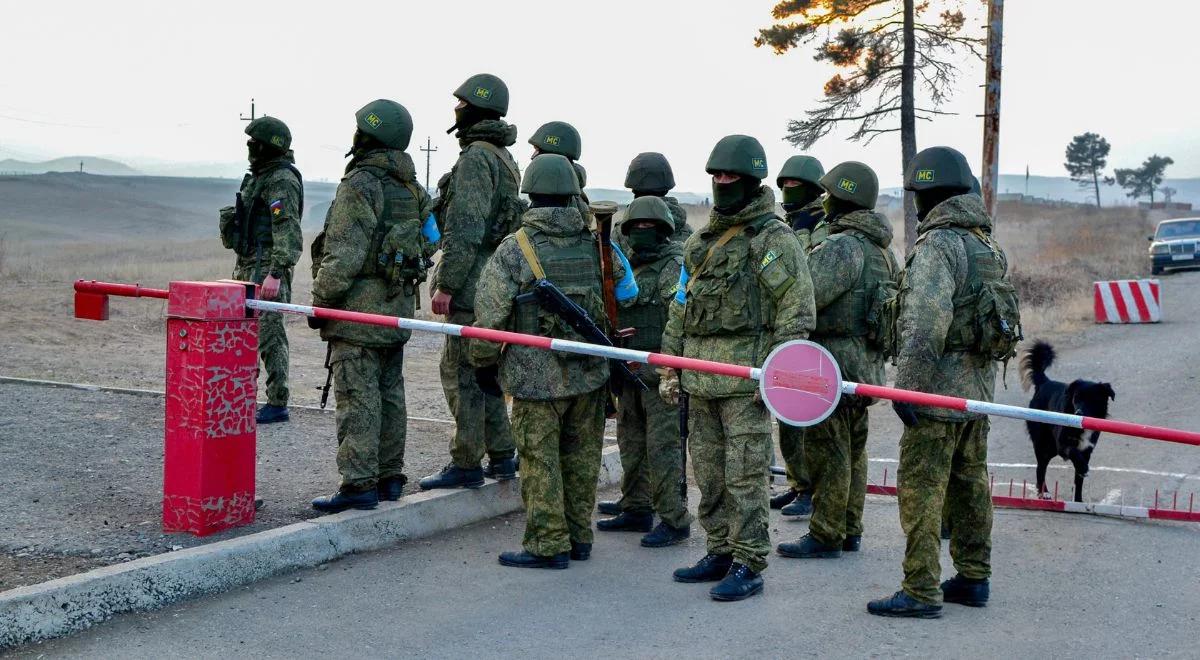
(1127, 301)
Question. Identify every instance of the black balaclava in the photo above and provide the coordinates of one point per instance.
(260, 152)
(363, 143)
(540, 201)
(836, 208)
(469, 115)
(729, 198)
(927, 199)
(650, 193)
(798, 196)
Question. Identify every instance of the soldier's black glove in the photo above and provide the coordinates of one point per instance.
(907, 413)
(316, 323)
(488, 380)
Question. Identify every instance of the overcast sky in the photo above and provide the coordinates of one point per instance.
(144, 81)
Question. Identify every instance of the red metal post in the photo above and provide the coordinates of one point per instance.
(209, 453)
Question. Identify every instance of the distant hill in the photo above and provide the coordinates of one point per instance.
(624, 196)
(75, 207)
(91, 165)
(1063, 188)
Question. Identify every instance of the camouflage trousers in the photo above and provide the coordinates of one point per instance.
(944, 464)
(481, 420)
(791, 446)
(372, 420)
(560, 443)
(836, 454)
(729, 441)
(648, 437)
(272, 339)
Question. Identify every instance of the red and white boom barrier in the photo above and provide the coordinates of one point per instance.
(1127, 301)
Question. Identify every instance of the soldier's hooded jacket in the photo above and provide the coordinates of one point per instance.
(273, 196)
(846, 266)
(934, 306)
(568, 253)
(378, 184)
(479, 205)
(753, 294)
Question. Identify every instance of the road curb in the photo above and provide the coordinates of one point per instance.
(70, 604)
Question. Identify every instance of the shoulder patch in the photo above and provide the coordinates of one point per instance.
(767, 259)
(277, 208)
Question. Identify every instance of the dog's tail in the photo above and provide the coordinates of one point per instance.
(1035, 360)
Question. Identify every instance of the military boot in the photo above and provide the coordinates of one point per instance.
(739, 584)
(347, 498)
(502, 470)
(523, 559)
(627, 521)
(270, 414)
(453, 476)
(709, 569)
(609, 507)
(852, 543)
(390, 488)
(581, 551)
(665, 535)
(965, 591)
(783, 499)
(809, 547)
(900, 604)
(800, 508)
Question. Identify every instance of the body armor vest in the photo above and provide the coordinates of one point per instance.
(400, 224)
(648, 316)
(847, 316)
(724, 295)
(261, 240)
(573, 268)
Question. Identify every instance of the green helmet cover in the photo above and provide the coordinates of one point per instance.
(558, 137)
(649, 171)
(976, 188)
(802, 168)
(852, 182)
(738, 154)
(272, 131)
(938, 167)
(550, 174)
(485, 91)
(386, 121)
(648, 208)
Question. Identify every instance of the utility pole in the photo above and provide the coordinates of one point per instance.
(991, 106)
(251, 117)
(428, 149)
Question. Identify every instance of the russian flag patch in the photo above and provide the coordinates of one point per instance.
(276, 208)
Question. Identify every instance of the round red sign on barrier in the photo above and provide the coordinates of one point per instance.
(801, 383)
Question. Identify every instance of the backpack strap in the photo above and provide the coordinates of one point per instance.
(504, 158)
(530, 255)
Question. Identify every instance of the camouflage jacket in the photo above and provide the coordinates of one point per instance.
(936, 271)
(531, 373)
(478, 189)
(280, 195)
(343, 279)
(837, 266)
(658, 281)
(781, 287)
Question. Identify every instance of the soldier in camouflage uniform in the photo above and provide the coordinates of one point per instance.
(799, 182)
(957, 315)
(268, 243)
(854, 274)
(647, 426)
(371, 257)
(744, 289)
(559, 137)
(650, 175)
(558, 398)
(480, 205)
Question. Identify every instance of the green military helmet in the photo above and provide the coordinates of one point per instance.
(852, 182)
(485, 91)
(558, 137)
(976, 189)
(801, 168)
(938, 167)
(581, 173)
(649, 171)
(738, 154)
(550, 174)
(649, 208)
(386, 121)
(272, 131)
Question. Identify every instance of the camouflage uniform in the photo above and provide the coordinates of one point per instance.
(944, 457)
(647, 426)
(558, 398)
(273, 196)
(478, 198)
(754, 294)
(379, 189)
(845, 268)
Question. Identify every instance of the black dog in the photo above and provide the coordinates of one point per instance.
(1081, 397)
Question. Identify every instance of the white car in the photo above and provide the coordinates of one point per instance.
(1173, 244)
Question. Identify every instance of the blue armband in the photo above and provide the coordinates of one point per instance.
(430, 230)
(627, 288)
(681, 288)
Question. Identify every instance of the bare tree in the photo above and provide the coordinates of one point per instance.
(885, 47)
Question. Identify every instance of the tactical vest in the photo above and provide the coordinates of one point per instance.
(986, 315)
(847, 315)
(723, 295)
(648, 316)
(258, 214)
(573, 268)
(400, 223)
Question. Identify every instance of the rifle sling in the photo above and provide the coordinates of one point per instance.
(530, 255)
(725, 238)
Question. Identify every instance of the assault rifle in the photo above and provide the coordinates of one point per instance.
(552, 299)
